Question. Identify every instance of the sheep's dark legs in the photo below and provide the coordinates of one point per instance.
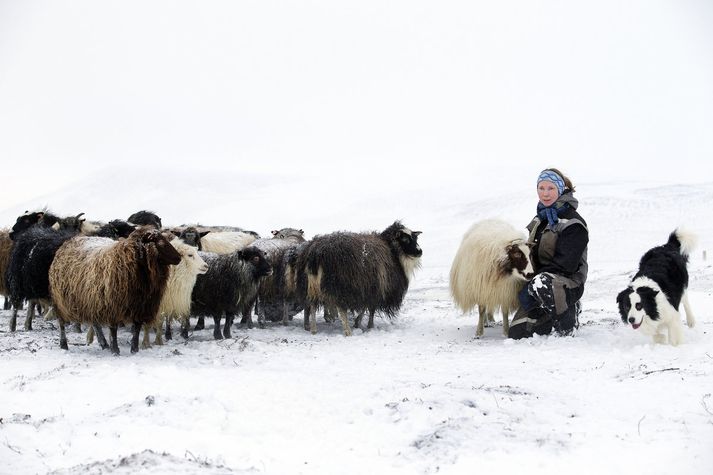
(229, 318)
(6, 305)
(100, 336)
(77, 327)
(62, 336)
(357, 320)
(247, 318)
(370, 325)
(114, 345)
(185, 326)
(30, 315)
(168, 334)
(217, 334)
(13, 319)
(306, 317)
(200, 324)
(135, 331)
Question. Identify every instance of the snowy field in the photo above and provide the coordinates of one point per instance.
(418, 394)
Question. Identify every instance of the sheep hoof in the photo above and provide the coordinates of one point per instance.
(261, 325)
(28, 326)
(184, 334)
(63, 345)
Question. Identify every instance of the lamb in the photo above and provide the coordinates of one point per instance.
(104, 282)
(230, 279)
(28, 268)
(489, 269)
(176, 301)
(358, 272)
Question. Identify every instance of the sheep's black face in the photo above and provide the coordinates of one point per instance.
(121, 229)
(146, 218)
(25, 222)
(257, 259)
(408, 242)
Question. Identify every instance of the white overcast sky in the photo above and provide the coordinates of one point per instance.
(448, 88)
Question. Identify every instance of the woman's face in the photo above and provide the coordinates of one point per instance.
(547, 192)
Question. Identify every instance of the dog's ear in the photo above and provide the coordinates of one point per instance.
(624, 303)
(647, 292)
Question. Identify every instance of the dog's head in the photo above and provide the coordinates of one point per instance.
(636, 304)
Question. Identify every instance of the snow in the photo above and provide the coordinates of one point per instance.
(418, 394)
(333, 115)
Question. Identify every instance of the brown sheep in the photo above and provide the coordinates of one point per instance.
(105, 282)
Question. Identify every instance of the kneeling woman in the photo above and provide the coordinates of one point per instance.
(559, 238)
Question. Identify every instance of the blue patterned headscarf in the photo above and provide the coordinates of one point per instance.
(553, 177)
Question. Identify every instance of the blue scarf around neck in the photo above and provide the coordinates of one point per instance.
(551, 213)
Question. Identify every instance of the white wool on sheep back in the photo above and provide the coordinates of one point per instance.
(476, 277)
(225, 242)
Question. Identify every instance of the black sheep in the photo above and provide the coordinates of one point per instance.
(358, 272)
(230, 279)
(145, 218)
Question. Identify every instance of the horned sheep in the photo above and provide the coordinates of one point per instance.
(358, 272)
(489, 269)
(105, 282)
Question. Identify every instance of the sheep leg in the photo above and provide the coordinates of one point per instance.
(305, 322)
(100, 336)
(370, 325)
(200, 324)
(506, 323)
(285, 316)
(159, 337)
(217, 334)
(13, 319)
(357, 320)
(313, 320)
(145, 343)
(482, 317)
(229, 317)
(30, 315)
(247, 317)
(114, 345)
(6, 305)
(345, 322)
(77, 327)
(168, 335)
(62, 336)
(185, 326)
(135, 331)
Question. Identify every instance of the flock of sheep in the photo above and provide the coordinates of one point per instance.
(137, 273)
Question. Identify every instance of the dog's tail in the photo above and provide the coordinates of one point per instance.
(683, 240)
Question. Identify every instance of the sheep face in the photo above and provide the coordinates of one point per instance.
(408, 242)
(120, 229)
(258, 259)
(73, 223)
(167, 254)
(192, 236)
(193, 260)
(285, 233)
(517, 261)
(25, 221)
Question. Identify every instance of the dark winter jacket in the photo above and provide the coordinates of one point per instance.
(561, 248)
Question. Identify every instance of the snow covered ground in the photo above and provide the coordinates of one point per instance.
(415, 395)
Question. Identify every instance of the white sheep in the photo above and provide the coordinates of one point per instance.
(176, 301)
(489, 269)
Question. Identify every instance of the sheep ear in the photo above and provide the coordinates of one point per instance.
(417, 233)
(274, 232)
(203, 233)
(301, 232)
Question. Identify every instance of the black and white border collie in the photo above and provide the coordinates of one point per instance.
(650, 303)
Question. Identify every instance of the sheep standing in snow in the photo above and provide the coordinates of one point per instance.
(105, 282)
(176, 300)
(27, 274)
(358, 272)
(273, 299)
(230, 279)
(491, 266)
